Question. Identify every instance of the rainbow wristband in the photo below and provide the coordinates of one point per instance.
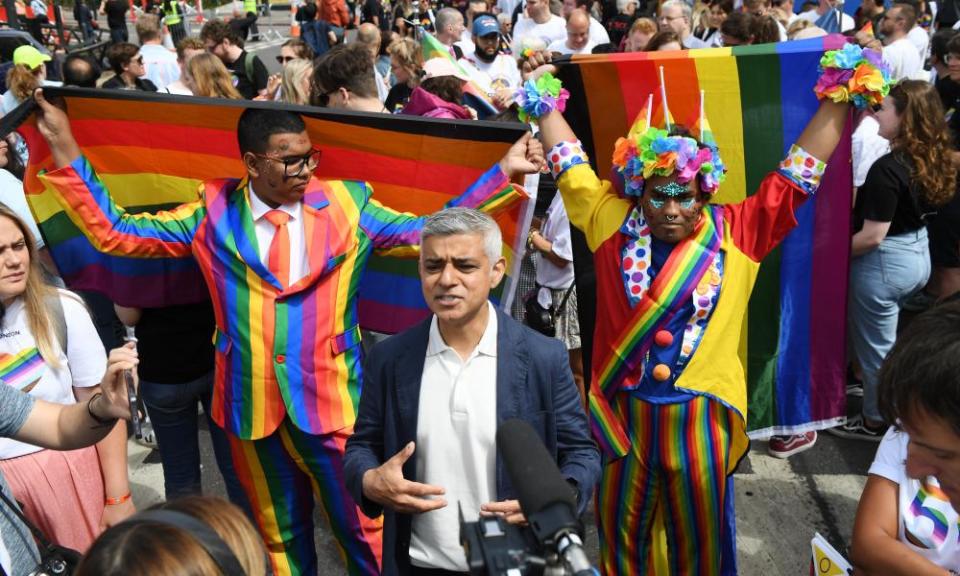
(541, 97)
(855, 75)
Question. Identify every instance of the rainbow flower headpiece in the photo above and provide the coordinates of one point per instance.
(648, 151)
(853, 74)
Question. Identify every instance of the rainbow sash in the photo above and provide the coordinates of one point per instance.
(669, 291)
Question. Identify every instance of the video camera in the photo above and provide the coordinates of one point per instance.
(551, 543)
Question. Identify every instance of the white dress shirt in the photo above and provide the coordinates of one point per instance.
(456, 443)
(299, 264)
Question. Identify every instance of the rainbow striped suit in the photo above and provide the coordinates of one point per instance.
(280, 352)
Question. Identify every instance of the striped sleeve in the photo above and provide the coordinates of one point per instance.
(398, 233)
(110, 229)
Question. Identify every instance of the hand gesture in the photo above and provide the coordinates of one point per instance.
(114, 402)
(273, 83)
(524, 157)
(386, 485)
(536, 65)
(509, 510)
(51, 120)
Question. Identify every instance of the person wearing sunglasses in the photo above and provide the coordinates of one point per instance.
(127, 64)
(282, 253)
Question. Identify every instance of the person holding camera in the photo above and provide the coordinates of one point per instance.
(56, 427)
(433, 397)
(552, 309)
(49, 349)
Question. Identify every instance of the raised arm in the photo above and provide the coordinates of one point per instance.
(89, 205)
(398, 233)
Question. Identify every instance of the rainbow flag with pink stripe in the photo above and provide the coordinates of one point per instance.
(23, 369)
(758, 99)
(146, 147)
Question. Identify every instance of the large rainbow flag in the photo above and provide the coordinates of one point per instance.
(758, 100)
(153, 151)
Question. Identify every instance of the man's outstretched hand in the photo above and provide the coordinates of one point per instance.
(386, 486)
(524, 157)
(54, 126)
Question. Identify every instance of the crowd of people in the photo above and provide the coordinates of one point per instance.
(404, 434)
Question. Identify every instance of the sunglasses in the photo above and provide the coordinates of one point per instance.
(285, 59)
(138, 60)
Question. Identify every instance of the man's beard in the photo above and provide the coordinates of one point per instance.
(484, 57)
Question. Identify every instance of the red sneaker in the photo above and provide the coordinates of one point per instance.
(786, 446)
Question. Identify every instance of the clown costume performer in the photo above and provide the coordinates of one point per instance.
(674, 275)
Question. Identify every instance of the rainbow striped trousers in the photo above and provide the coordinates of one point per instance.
(672, 487)
(281, 475)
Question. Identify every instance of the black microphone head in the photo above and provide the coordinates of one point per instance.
(532, 470)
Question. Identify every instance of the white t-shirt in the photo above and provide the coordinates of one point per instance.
(501, 73)
(553, 29)
(867, 147)
(22, 367)
(920, 40)
(903, 59)
(556, 229)
(161, 65)
(598, 34)
(925, 511)
(561, 47)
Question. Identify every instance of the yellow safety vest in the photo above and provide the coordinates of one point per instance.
(250, 6)
(172, 16)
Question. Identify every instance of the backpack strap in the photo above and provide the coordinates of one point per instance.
(248, 68)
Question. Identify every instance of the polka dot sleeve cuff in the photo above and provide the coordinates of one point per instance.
(805, 170)
(565, 155)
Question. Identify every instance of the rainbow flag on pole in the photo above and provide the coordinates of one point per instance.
(153, 151)
(758, 100)
(474, 95)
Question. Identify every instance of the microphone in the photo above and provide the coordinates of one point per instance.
(547, 500)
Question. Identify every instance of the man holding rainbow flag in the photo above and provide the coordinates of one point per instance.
(282, 253)
(674, 275)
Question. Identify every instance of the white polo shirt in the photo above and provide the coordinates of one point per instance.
(456, 443)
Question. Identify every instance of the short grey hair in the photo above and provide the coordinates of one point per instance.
(446, 17)
(685, 8)
(452, 221)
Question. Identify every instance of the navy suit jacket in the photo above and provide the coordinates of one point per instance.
(534, 383)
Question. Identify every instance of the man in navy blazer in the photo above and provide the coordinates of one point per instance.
(434, 395)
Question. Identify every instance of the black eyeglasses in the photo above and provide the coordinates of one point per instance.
(876, 107)
(284, 59)
(293, 167)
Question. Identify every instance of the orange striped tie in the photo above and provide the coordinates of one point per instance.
(278, 259)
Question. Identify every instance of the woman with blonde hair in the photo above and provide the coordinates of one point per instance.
(193, 536)
(295, 82)
(406, 65)
(891, 255)
(50, 350)
(205, 75)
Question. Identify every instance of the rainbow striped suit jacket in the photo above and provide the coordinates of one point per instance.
(279, 352)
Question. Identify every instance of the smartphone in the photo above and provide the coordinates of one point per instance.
(134, 408)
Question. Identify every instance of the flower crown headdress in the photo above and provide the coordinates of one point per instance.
(649, 151)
